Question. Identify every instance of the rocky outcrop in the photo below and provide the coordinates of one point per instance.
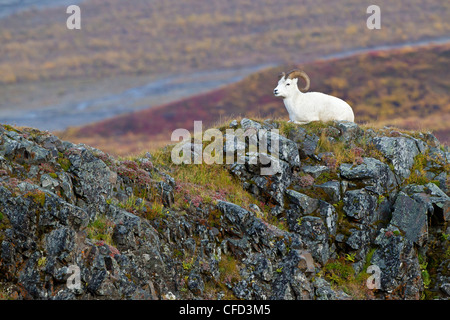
(76, 223)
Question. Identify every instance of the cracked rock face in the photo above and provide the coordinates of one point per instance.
(377, 175)
(400, 151)
(122, 231)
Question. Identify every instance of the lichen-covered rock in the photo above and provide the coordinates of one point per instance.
(360, 204)
(287, 149)
(437, 203)
(314, 234)
(250, 124)
(127, 229)
(93, 180)
(323, 291)
(397, 259)
(332, 189)
(401, 152)
(329, 216)
(374, 174)
(315, 171)
(349, 131)
(306, 143)
(290, 283)
(271, 184)
(410, 217)
(302, 202)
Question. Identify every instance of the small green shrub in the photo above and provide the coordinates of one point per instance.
(42, 261)
(132, 204)
(38, 196)
(53, 175)
(63, 162)
(101, 230)
(339, 272)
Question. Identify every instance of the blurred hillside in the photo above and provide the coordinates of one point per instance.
(127, 45)
(408, 88)
(170, 36)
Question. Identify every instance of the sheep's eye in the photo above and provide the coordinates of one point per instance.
(288, 84)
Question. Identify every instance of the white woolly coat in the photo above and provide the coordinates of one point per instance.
(317, 106)
(311, 106)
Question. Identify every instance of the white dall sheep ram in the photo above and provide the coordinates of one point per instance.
(312, 106)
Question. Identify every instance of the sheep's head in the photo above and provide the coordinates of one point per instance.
(288, 83)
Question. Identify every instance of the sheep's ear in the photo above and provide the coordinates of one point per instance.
(295, 80)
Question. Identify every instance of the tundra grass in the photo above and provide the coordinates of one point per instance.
(203, 183)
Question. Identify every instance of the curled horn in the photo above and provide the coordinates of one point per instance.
(299, 73)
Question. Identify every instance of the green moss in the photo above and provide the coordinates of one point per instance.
(101, 230)
(41, 262)
(38, 197)
(228, 269)
(325, 177)
(187, 264)
(4, 224)
(316, 193)
(5, 295)
(344, 225)
(380, 200)
(316, 127)
(436, 182)
(63, 162)
(369, 258)
(214, 218)
(418, 173)
(286, 127)
(338, 272)
(447, 253)
(177, 253)
(341, 275)
(434, 263)
(280, 223)
(53, 175)
(9, 128)
(423, 268)
(155, 210)
(133, 204)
